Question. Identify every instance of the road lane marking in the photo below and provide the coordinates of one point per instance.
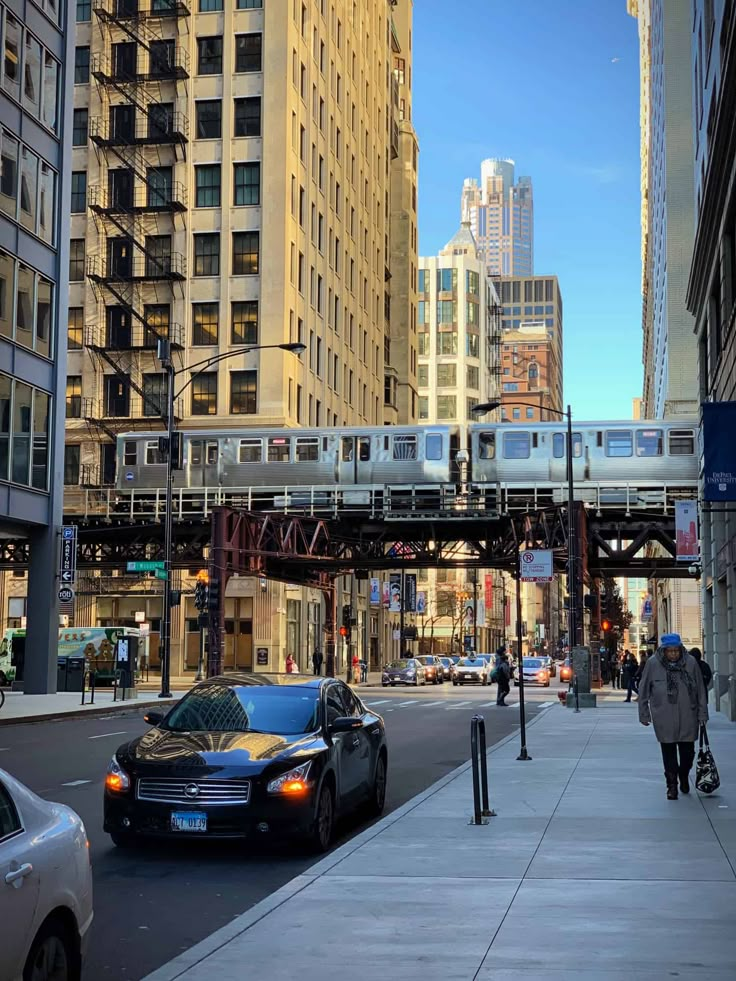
(382, 701)
(403, 704)
(75, 783)
(103, 735)
(442, 701)
(485, 704)
(458, 705)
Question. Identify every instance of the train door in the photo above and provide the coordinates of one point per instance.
(558, 457)
(203, 458)
(347, 462)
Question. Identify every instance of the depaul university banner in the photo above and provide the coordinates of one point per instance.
(719, 451)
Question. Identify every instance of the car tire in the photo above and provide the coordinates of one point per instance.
(320, 837)
(53, 954)
(124, 839)
(377, 799)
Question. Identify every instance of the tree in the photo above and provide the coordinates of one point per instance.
(613, 610)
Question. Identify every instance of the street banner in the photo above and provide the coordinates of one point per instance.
(719, 451)
(686, 531)
(386, 594)
(489, 592)
(422, 603)
(375, 592)
(646, 609)
(469, 612)
(481, 613)
(394, 594)
(410, 592)
(536, 565)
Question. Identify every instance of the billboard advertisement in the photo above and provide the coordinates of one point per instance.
(375, 592)
(410, 592)
(719, 451)
(488, 598)
(686, 531)
(421, 603)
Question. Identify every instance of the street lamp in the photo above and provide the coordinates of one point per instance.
(572, 629)
(164, 356)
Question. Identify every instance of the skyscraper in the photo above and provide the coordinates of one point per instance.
(501, 216)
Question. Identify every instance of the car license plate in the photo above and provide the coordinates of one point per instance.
(469, 676)
(188, 821)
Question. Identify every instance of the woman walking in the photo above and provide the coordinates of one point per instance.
(672, 697)
(629, 668)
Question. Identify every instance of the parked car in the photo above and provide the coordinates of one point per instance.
(550, 664)
(432, 668)
(471, 670)
(405, 671)
(245, 755)
(46, 892)
(535, 672)
(447, 666)
(566, 670)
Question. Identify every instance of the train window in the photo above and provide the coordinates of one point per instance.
(346, 452)
(649, 442)
(249, 451)
(487, 446)
(405, 447)
(279, 449)
(195, 452)
(153, 452)
(307, 449)
(559, 446)
(433, 448)
(516, 446)
(599, 438)
(211, 453)
(681, 442)
(364, 449)
(535, 440)
(619, 442)
(130, 453)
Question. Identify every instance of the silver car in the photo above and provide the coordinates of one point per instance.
(471, 671)
(46, 888)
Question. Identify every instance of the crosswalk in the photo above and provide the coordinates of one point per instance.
(448, 705)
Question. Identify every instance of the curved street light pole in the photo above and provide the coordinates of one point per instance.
(164, 356)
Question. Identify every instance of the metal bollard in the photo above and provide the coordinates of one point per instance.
(481, 806)
(88, 676)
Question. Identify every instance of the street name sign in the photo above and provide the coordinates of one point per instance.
(145, 566)
(536, 565)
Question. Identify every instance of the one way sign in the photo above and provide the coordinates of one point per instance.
(68, 570)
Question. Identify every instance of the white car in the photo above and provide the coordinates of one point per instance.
(470, 671)
(45, 887)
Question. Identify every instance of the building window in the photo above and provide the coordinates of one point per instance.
(79, 191)
(208, 186)
(71, 461)
(244, 322)
(204, 394)
(472, 377)
(207, 254)
(248, 116)
(81, 65)
(423, 407)
(248, 4)
(79, 127)
(245, 253)
(423, 375)
(75, 328)
(205, 323)
(243, 393)
(446, 280)
(516, 413)
(76, 260)
(154, 394)
(207, 6)
(472, 345)
(74, 396)
(446, 375)
(209, 119)
(447, 342)
(209, 56)
(248, 52)
(446, 312)
(117, 397)
(84, 11)
(247, 183)
(446, 406)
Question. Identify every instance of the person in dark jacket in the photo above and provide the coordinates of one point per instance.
(317, 661)
(629, 669)
(503, 682)
(704, 667)
(672, 698)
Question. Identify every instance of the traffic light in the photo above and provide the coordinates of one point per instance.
(200, 595)
(344, 631)
(605, 625)
(213, 596)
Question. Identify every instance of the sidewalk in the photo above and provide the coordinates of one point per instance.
(21, 708)
(587, 873)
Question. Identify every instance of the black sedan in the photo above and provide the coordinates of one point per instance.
(248, 755)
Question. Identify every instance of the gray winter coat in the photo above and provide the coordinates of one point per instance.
(676, 723)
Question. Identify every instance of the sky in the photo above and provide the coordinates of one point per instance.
(554, 85)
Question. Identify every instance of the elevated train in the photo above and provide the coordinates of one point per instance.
(633, 463)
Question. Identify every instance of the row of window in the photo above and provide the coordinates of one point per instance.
(446, 342)
(30, 73)
(131, 7)
(447, 312)
(24, 433)
(28, 187)
(534, 290)
(446, 281)
(447, 407)
(447, 376)
(26, 305)
(616, 443)
(116, 395)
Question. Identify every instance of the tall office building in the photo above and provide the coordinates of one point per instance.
(712, 300)
(34, 233)
(243, 173)
(667, 219)
(501, 216)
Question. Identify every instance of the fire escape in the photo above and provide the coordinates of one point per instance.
(139, 207)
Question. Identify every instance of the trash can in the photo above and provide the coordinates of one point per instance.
(61, 674)
(75, 668)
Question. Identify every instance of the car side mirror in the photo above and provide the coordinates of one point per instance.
(345, 723)
(153, 718)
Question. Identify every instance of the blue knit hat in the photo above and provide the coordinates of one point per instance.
(671, 640)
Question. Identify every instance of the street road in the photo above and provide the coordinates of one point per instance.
(153, 903)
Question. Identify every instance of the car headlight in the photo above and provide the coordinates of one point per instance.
(292, 782)
(410, 674)
(117, 780)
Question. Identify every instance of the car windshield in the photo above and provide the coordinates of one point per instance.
(532, 662)
(426, 659)
(471, 662)
(446, 660)
(283, 710)
(400, 665)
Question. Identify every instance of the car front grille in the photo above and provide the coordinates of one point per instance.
(170, 790)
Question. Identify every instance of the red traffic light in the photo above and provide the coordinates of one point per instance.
(606, 624)
(343, 631)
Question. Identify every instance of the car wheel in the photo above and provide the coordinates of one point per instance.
(324, 820)
(124, 839)
(377, 799)
(52, 956)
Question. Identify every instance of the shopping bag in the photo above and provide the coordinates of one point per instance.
(706, 772)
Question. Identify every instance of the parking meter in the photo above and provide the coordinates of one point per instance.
(126, 660)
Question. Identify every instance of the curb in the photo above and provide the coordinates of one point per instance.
(182, 963)
(83, 713)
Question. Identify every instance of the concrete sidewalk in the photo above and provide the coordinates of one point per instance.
(20, 708)
(587, 873)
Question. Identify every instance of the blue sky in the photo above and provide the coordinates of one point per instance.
(553, 84)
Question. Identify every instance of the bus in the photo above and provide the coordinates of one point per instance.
(95, 644)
